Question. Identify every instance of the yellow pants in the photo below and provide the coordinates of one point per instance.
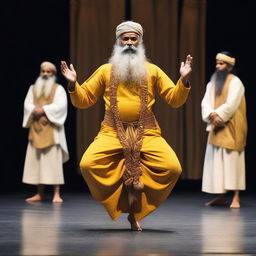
(102, 167)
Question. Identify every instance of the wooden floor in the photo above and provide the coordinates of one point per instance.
(80, 226)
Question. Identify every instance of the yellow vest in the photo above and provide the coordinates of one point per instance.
(233, 134)
(40, 134)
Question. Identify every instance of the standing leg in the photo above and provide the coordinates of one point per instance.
(236, 200)
(135, 225)
(56, 194)
(160, 172)
(38, 196)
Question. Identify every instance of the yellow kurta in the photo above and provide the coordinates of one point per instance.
(102, 164)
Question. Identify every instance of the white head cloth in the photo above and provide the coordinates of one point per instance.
(129, 26)
(48, 65)
(226, 58)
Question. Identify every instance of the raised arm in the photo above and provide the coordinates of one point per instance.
(70, 74)
(186, 69)
(86, 94)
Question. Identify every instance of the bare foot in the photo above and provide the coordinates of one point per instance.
(35, 198)
(135, 225)
(219, 200)
(57, 199)
(235, 204)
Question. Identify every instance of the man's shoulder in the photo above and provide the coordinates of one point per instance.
(105, 66)
(152, 67)
(235, 79)
(59, 87)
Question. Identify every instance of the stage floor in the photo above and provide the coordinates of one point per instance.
(80, 226)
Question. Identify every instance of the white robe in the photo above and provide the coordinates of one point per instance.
(223, 169)
(44, 166)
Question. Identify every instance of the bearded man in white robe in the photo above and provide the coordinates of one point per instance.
(224, 111)
(45, 111)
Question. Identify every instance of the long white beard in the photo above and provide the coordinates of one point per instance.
(129, 66)
(43, 87)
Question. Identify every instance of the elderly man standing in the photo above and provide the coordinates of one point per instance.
(45, 111)
(129, 167)
(224, 111)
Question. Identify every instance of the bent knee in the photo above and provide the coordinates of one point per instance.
(174, 168)
(86, 163)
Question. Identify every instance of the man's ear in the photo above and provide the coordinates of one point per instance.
(229, 67)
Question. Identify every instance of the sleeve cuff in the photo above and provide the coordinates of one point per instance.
(180, 82)
(75, 88)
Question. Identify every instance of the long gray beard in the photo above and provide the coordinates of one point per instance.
(219, 78)
(43, 87)
(129, 64)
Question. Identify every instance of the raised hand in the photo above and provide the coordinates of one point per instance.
(186, 68)
(68, 72)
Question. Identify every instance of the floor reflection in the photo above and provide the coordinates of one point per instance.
(135, 243)
(222, 230)
(40, 229)
(183, 226)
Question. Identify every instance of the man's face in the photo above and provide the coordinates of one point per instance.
(46, 72)
(221, 65)
(129, 39)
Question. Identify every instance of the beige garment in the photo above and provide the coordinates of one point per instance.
(223, 170)
(233, 134)
(40, 133)
(43, 166)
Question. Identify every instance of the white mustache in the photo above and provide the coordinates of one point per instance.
(129, 48)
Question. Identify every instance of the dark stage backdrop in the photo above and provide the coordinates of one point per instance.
(35, 31)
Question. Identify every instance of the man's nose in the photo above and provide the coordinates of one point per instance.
(129, 42)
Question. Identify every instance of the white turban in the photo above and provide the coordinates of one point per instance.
(226, 58)
(48, 65)
(129, 26)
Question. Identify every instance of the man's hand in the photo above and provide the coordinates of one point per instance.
(69, 73)
(185, 69)
(44, 120)
(215, 119)
(38, 112)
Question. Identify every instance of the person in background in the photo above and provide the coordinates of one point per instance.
(224, 111)
(45, 111)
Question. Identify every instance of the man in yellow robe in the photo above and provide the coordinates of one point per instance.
(129, 167)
